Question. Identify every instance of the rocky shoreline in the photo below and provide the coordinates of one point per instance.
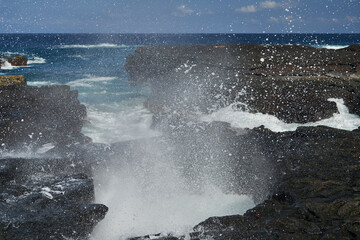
(304, 182)
(312, 190)
(46, 187)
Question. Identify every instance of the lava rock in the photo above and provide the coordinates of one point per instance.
(291, 82)
(309, 177)
(51, 206)
(18, 61)
(33, 116)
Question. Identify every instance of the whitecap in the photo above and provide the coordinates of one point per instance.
(243, 119)
(7, 66)
(36, 60)
(86, 82)
(79, 56)
(8, 53)
(333, 47)
(101, 45)
(40, 83)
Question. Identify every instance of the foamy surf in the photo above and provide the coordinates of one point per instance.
(87, 81)
(36, 60)
(243, 119)
(7, 66)
(101, 45)
(134, 211)
(79, 56)
(110, 123)
(333, 47)
(40, 83)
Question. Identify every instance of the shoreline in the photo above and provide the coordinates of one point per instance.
(304, 182)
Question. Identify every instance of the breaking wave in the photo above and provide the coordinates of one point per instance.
(36, 60)
(334, 47)
(243, 119)
(101, 45)
(87, 82)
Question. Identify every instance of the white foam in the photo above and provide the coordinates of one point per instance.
(86, 82)
(101, 45)
(8, 53)
(243, 119)
(334, 47)
(7, 66)
(138, 209)
(79, 56)
(36, 60)
(40, 83)
(114, 123)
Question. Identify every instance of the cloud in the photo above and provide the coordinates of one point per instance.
(247, 9)
(269, 4)
(353, 19)
(274, 19)
(183, 10)
(258, 7)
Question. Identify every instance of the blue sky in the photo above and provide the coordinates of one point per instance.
(179, 16)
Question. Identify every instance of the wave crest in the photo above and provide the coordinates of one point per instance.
(101, 45)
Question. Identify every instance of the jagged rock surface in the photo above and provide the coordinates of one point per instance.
(38, 204)
(33, 116)
(291, 82)
(314, 193)
(18, 61)
(50, 194)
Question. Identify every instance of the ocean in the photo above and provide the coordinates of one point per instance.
(93, 64)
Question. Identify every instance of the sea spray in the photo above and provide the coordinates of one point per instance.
(147, 192)
(244, 119)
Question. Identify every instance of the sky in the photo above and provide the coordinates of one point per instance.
(179, 16)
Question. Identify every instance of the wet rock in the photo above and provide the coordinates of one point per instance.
(312, 189)
(18, 61)
(49, 206)
(291, 82)
(33, 116)
(12, 81)
(315, 195)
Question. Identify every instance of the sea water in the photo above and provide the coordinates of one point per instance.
(150, 194)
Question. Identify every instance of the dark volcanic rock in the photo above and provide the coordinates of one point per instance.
(33, 116)
(46, 206)
(317, 196)
(18, 61)
(309, 177)
(52, 197)
(290, 82)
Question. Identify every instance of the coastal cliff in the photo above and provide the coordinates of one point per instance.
(304, 182)
(292, 83)
(46, 190)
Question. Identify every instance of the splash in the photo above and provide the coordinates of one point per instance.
(243, 119)
(147, 192)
